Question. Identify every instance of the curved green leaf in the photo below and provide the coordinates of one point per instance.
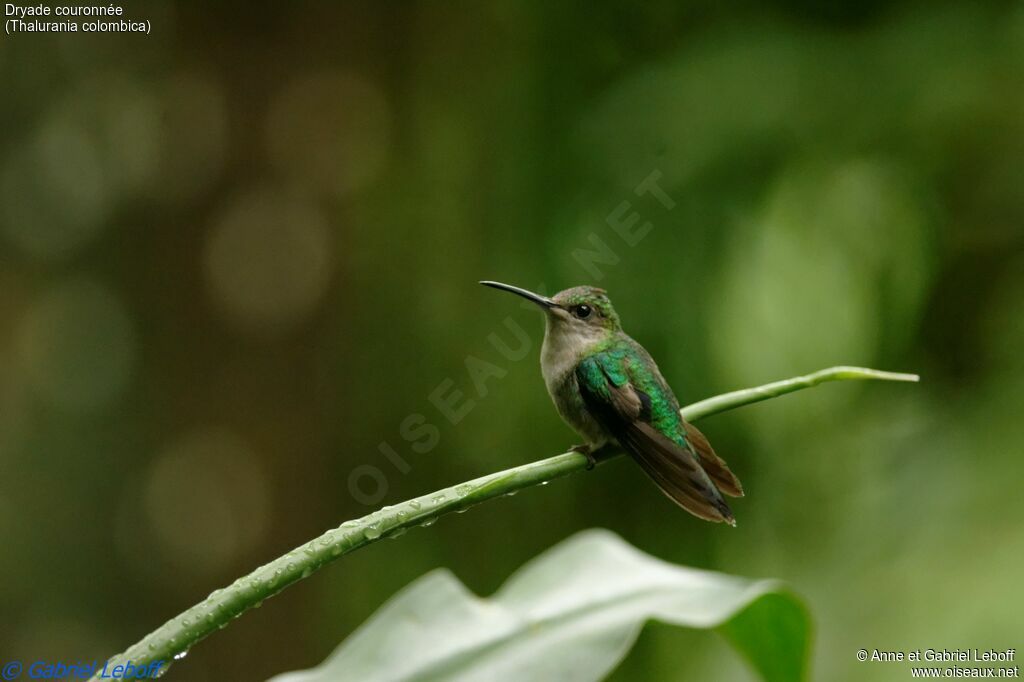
(572, 613)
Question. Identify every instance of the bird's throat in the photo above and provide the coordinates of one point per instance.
(563, 348)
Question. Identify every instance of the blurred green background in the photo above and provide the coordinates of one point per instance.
(237, 253)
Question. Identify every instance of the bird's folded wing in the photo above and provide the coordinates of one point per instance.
(609, 394)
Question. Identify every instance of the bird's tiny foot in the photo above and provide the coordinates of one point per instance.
(587, 452)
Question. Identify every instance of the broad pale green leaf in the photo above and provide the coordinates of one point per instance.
(572, 613)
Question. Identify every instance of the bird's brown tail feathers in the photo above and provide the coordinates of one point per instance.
(677, 471)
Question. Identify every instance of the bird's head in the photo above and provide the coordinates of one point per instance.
(583, 312)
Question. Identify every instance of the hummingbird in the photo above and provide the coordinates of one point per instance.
(608, 389)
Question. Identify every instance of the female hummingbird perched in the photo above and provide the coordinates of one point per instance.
(610, 391)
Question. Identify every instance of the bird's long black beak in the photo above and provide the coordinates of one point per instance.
(542, 301)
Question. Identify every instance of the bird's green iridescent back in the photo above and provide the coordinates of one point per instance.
(622, 360)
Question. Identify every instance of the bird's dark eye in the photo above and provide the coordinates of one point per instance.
(582, 311)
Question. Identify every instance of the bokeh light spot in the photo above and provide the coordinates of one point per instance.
(53, 190)
(206, 500)
(77, 346)
(268, 259)
(851, 228)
